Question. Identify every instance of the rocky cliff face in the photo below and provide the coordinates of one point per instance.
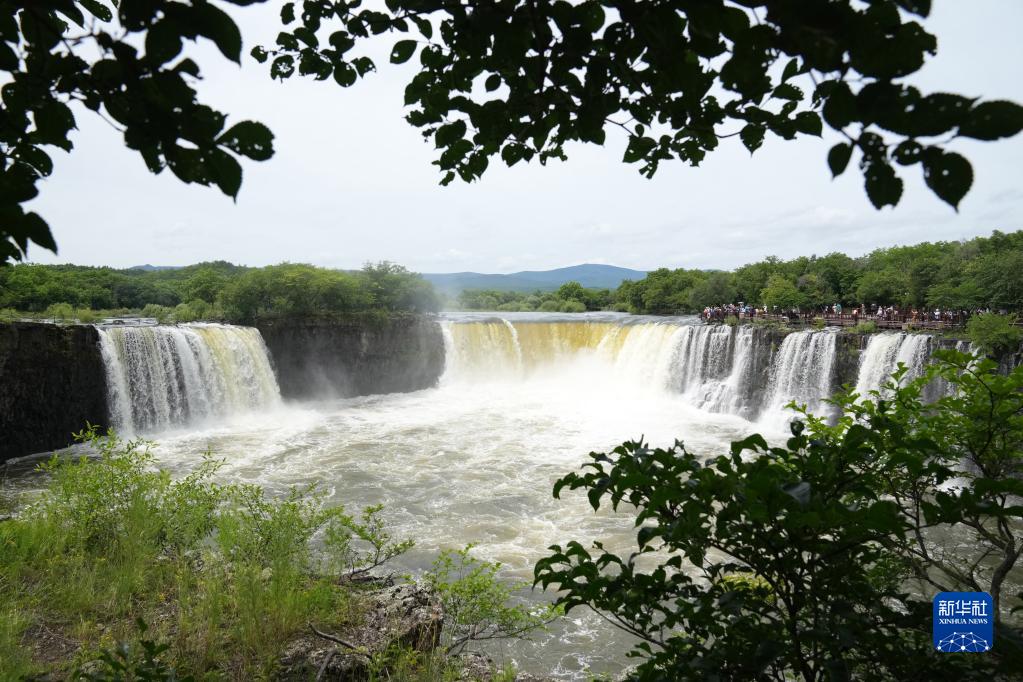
(51, 383)
(353, 356)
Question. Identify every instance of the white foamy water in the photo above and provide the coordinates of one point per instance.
(163, 376)
(883, 354)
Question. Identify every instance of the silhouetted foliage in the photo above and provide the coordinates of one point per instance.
(521, 80)
(816, 559)
(122, 60)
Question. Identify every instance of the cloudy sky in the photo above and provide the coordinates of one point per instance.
(352, 182)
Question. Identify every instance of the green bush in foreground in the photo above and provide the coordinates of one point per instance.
(147, 577)
(223, 574)
(994, 334)
(816, 560)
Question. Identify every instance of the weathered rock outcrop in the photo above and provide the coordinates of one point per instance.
(405, 616)
(51, 383)
(356, 355)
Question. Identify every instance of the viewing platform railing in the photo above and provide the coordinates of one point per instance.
(899, 322)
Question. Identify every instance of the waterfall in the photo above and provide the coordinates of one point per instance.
(703, 357)
(883, 354)
(718, 368)
(733, 394)
(162, 376)
(501, 349)
(802, 372)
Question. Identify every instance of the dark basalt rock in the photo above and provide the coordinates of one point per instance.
(52, 382)
(354, 355)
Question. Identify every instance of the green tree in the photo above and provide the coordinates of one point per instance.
(750, 280)
(572, 291)
(994, 334)
(883, 287)
(395, 288)
(715, 290)
(780, 292)
(840, 273)
(998, 275)
(205, 285)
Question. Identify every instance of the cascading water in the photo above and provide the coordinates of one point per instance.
(162, 376)
(717, 368)
(803, 372)
(883, 354)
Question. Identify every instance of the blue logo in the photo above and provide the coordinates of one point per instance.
(964, 622)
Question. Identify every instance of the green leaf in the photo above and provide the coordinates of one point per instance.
(37, 158)
(287, 13)
(449, 134)
(97, 9)
(250, 139)
(493, 82)
(403, 51)
(907, 152)
(840, 106)
(752, 135)
(993, 120)
(884, 187)
(219, 27)
(808, 123)
(36, 229)
(424, 26)
(838, 158)
(260, 54)
(226, 172)
(791, 69)
(53, 121)
(800, 492)
(345, 74)
(788, 91)
(282, 67)
(948, 174)
(919, 7)
(637, 149)
(163, 42)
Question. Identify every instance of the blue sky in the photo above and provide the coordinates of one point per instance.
(352, 182)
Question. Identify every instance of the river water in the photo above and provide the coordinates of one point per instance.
(523, 399)
(474, 460)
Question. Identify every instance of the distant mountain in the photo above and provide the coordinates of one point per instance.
(591, 275)
(149, 268)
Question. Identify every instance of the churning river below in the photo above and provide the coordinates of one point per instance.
(475, 459)
(522, 401)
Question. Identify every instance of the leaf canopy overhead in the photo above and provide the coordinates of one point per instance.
(521, 79)
(515, 79)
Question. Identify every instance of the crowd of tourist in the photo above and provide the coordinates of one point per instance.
(864, 312)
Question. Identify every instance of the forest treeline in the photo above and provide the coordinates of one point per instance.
(214, 290)
(980, 273)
